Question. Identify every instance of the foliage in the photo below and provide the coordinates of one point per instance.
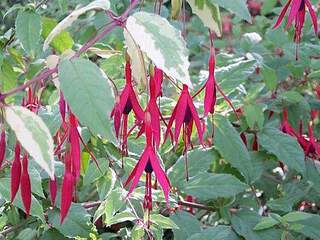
(71, 71)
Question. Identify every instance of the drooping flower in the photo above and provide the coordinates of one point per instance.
(126, 102)
(158, 78)
(149, 162)
(2, 146)
(286, 126)
(53, 190)
(210, 96)
(184, 115)
(15, 172)
(297, 14)
(25, 185)
(153, 109)
(313, 148)
(67, 188)
(74, 145)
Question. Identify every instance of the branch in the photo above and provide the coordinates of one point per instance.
(201, 206)
(47, 72)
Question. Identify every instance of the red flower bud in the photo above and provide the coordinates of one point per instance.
(53, 190)
(2, 146)
(66, 195)
(15, 172)
(25, 186)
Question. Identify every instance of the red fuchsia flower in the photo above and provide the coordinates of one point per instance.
(74, 145)
(153, 109)
(286, 126)
(254, 7)
(210, 97)
(124, 105)
(313, 147)
(149, 162)
(2, 145)
(184, 115)
(67, 188)
(158, 78)
(25, 186)
(15, 172)
(297, 14)
(53, 186)
(255, 144)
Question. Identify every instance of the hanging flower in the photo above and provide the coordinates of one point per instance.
(15, 172)
(25, 185)
(184, 115)
(286, 126)
(149, 162)
(124, 104)
(297, 14)
(2, 146)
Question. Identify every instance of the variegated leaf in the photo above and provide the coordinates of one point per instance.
(66, 22)
(33, 134)
(162, 43)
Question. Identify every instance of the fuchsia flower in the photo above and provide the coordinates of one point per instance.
(25, 185)
(2, 146)
(67, 188)
(210, 96)
(149, 162)
(124, 104)
(74, 145)
(297, 14)
(15, 172)
(286, 126)
(184, 115)
(312, 148)
(152, 107)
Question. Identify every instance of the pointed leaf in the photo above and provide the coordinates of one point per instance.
(33, 135)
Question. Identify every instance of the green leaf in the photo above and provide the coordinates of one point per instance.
(8, 78)
(269, 77)
(215, 233)
(285, 147)
(296, 216)
(137, 232)
(187, 223)
(209, 14)
(231, 76)
(62, 42)
(238, 7)
(198, 161)
(163, 222)
(76, 224)
(162, 43)
(244, 221)
(315, 74)
(28, 30)
(67, 21)
(266, 222)
(33, 134)
(27, 234)
(87, 91)
(36, 208)
(51, 117)
(121, 217)
(206, 186)
(254, 115)
(237, 155)
(93, 173)
(267, 6)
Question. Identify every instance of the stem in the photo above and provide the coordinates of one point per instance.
(227, 99)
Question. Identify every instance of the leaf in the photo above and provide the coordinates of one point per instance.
(187, 223)
(33, 134)
(269, 77)
(51, 116)
(87, 91)
(209, 14)
(28, 30)
(163, 222)
(93, 173)
(219, 232)
(36, 208)
(27, 234)
(254, 115)
(243, 223)
(267, 6)
(207, 186)
(76, 224)
(238, 7)
(121, 217)
(285, 147)
(296, 216)
(314, 74)
(266, 222)
(162, 43)
(198, 161)
(237, 155)
(62, 41)
(137, 60)
(137, 232)
(67, 21)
